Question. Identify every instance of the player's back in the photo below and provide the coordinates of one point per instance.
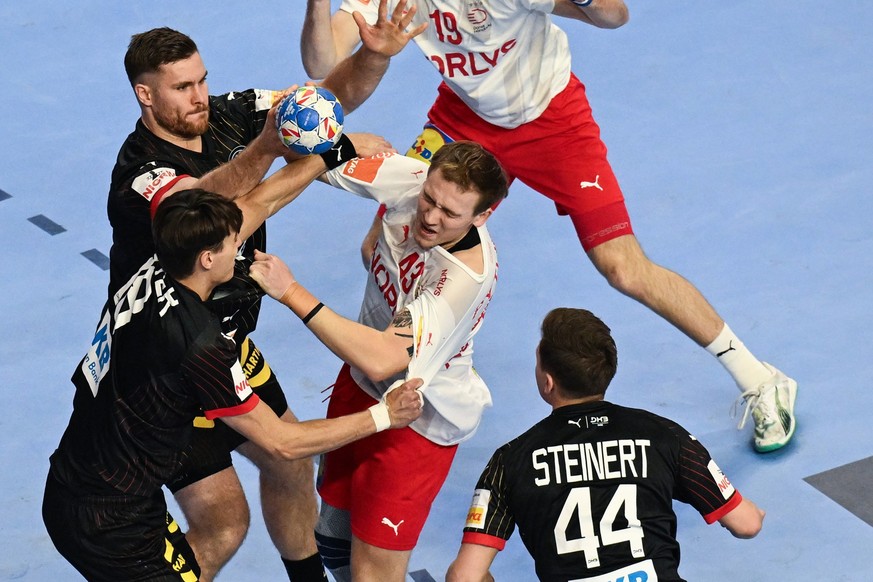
(134, 402)
(591, 489)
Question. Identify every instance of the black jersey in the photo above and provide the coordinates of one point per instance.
(590, 488)
(159, 358)
(146, 164)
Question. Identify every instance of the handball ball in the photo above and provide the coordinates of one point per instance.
(310, 120)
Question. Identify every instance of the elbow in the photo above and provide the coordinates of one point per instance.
(378, 372)
(619, 19)
(745, 534)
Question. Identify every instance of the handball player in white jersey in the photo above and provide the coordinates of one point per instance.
(508, 84)
(430, 280)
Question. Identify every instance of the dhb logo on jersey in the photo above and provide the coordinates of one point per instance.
(598, 420)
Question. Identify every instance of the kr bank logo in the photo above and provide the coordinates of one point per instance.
(386, 521)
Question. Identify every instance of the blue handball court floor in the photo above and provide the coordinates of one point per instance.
(741, 135)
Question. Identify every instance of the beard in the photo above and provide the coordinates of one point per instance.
(179, 123)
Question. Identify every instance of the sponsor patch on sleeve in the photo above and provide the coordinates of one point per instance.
(264, 99)
(363, 169)
(151, 182)
(724, 485)
(478, 509)
(240, 382)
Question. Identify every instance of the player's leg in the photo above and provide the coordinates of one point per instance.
(287, 488)
(109, 538)
(217, 514)
(628, 270)
(581, 182)
(290, 508)
(374, 564)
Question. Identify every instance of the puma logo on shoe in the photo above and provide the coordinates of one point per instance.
(594, 184)
(387, 522)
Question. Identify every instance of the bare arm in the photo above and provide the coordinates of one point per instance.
(354, 79)
(295, 440)
(745, 520)
(379, 354)
(600, 13)
(472, 564)
(326, 40)
(281, 188)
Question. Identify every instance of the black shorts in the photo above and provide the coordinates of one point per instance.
(213, 441)
(117, 537)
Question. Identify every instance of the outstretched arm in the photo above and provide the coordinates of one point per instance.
(295, 440)
(378, 354)
(599, 13)
(354, 79)
(326, 39)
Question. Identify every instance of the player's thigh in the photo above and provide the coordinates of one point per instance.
(117, 537)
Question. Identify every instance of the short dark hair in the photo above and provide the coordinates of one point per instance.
(190, 222)
(149, 50)
(472, 167)
(578, 351)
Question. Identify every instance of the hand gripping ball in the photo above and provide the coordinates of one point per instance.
(310, 120)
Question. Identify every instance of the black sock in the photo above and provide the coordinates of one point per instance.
(306, 570)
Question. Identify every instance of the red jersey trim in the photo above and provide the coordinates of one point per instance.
(722, 511)
(237, 410)
(159, 195)
(486, 540)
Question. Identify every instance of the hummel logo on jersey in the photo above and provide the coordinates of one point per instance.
(731, 348)
(594, 184)
(386, 521)
(577, 422)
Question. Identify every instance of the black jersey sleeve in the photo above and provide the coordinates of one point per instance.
(213, 370)
(489, 520)
(701, 483)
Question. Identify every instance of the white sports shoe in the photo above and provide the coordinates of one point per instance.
(772, 406)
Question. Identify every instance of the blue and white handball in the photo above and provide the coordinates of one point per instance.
(310, 120)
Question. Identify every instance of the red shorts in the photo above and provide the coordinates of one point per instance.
(387, 481)
(559, 154)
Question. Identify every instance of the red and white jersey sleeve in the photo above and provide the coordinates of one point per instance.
(505, 59)
(447, 300)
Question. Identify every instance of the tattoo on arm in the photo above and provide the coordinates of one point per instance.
(403, 320)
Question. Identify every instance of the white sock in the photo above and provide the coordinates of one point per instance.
(747, 371)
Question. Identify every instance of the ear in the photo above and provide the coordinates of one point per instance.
(205, 260)
(480, 218)
(548, 384)
(143, 94)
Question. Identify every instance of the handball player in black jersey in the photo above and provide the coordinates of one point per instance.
(159, 358)
(591, 486)
(187, 138)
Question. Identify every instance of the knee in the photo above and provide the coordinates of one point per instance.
(624, 266)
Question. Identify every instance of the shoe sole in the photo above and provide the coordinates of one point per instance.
(776, 446)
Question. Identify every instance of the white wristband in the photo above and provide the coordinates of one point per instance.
(379, 412)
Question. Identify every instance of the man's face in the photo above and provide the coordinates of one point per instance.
(445, 212)
(179, 97)
(225, 258)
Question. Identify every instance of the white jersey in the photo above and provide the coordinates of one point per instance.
(447, 300)
(505, 59)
